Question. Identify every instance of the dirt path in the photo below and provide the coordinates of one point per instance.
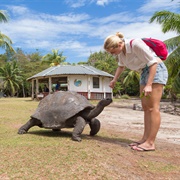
(126, 125)
(121, 117)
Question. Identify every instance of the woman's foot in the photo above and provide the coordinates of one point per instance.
(143, 147)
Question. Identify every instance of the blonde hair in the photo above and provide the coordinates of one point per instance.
(112, 41)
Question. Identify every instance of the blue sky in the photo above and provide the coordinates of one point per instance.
(79, 27)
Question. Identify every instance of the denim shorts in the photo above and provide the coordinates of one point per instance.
(160, 77)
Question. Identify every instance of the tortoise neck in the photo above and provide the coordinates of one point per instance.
(96, 111)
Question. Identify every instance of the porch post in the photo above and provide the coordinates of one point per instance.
(50, 85)
(32, 84)
(103, 87)
(68, 84)
(37, 87)
(111, 91)
(89, 87)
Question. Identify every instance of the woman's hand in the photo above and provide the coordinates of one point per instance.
(112, 84)
(119, 70)
(147, 90)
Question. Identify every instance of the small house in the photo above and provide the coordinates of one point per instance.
(86, 80)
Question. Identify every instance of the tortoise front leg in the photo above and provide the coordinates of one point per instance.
(32, 122)
(78, 129)
(94, 126)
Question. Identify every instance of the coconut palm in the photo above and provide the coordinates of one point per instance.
(55, 58)
(5, 41)
(11, 78)
(131, 81)
(3, 16)
(171, 22)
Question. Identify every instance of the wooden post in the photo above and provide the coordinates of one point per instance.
(89, 87)
(37, 88)
(103, 87)
(32, 95)
(50, 85)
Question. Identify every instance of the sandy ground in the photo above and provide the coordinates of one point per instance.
(121, 117)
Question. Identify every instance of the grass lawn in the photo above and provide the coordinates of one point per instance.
(43, 154)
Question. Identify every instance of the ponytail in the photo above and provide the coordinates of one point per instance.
(120, 35)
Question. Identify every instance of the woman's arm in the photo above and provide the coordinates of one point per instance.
(119, 70)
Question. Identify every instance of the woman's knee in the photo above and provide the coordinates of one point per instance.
(151, 109)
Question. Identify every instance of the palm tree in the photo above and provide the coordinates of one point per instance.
(11, 78)
(3, 16)
(5, 41)
(131, 81)
(171, 22)
(53, 59)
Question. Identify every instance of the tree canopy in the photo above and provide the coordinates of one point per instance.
(171, 22)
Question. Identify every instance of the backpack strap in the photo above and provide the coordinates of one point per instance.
(131, 42)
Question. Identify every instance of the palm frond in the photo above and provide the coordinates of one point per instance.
(170, 21)
(132, 76)
(176, 84)
(6, 42)
(4, 17)
(172, 43)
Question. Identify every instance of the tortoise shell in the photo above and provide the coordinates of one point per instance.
(56, 108)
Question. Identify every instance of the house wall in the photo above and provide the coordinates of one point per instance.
(78, 83)
(103, 84)
(106, 84)
(83, 84)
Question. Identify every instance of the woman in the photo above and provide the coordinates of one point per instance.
(136, 55)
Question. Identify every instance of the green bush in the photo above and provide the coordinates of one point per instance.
(125, 96)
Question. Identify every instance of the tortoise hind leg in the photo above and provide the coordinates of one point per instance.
(78, 129)
(95, 126)
(32, 122)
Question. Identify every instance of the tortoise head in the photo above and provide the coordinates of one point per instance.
(105, 102)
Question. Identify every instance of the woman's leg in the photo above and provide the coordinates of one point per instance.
(152, 119)
(147, 120)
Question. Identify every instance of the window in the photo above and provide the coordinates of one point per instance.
(95, 82)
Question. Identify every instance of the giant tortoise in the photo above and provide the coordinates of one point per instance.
(66, 109)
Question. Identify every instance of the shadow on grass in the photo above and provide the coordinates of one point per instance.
(118, 141)
(30, 100)
(68, 134)
(50, 133)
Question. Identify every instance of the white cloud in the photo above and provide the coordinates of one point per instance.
(81, 3)
(76, 4)
(159, 5)
(105, 2)
(102, 2)
(122, 17)
(72, 18)
(18, 10)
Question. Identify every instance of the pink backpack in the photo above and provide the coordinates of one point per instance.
(157, 46)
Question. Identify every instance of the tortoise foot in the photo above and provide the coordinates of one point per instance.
(76, 139)
(22, 131)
